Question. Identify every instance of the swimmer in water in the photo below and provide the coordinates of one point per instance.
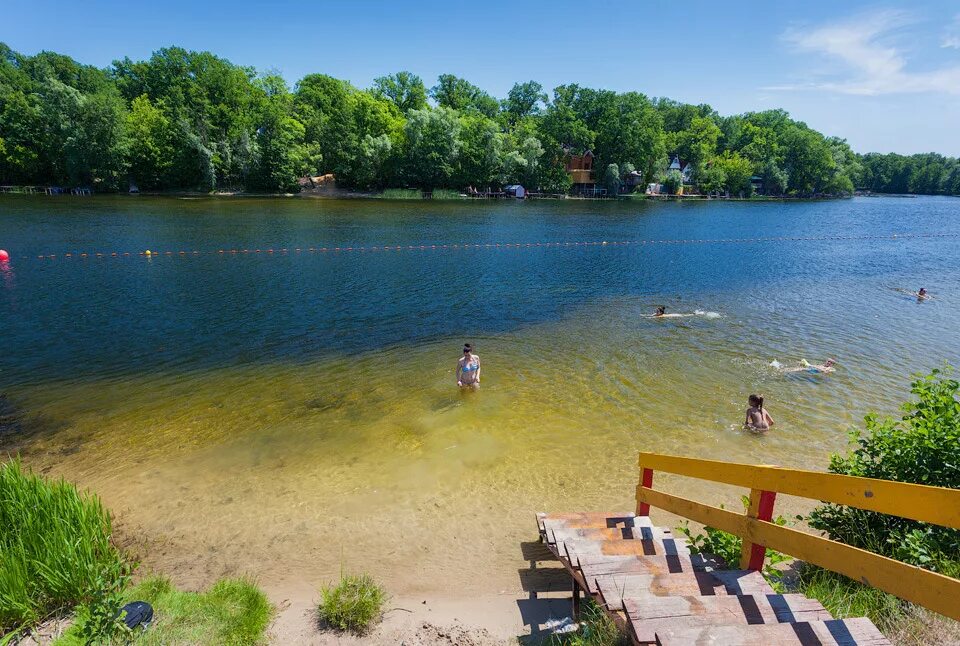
(758, 419)
(922, 294)
(468, 369)
(806, 366)
(661, 311)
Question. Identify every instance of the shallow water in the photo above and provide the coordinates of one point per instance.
(285, 413)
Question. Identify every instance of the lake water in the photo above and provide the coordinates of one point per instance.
(284, 413)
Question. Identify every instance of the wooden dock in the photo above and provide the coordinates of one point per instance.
(659, 593)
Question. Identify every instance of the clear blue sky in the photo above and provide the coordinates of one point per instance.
(884, 75)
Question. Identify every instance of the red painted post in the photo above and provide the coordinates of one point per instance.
(764, 512)
(646, 480)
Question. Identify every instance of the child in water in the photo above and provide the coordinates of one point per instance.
(758, 419)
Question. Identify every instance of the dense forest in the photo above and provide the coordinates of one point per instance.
(187, 120)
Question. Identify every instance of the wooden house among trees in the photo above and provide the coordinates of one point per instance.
(580, 170)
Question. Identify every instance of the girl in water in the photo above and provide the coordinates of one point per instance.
(758, 419)
(468, 369)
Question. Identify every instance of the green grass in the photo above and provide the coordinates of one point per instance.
(401, 194)
(844, 597)
(596, 629)
(234, 612)
(356, 603)
(55, 549)
(446, 194)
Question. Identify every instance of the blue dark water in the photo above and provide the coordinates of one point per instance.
(85, 317)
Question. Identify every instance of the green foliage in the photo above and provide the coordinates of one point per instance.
(728, 547)
(402, 194)
(446, 194)
(843, 597)
(736, 171)
(921, 447)
(355, 603)
(233, 612)
(596, 629)
(55, 551)
(433, 143)
(673, 182)
(403, 89)
(611, 179)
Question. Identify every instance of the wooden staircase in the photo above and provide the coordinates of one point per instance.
(660, 593)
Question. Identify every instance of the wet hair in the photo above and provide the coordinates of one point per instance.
(756, 400)
(467, 347)
(661, 309)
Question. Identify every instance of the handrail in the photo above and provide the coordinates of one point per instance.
(936, 505)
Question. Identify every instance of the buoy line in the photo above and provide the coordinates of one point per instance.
(498, 245)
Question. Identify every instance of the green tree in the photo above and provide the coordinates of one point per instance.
(629, 129)
(673, 182)
(433, 147)
(151, 143)
(611, 179)
(481, 150)
(404, 89)
(282, 155)
(459, 94)
(737, 172)
(523, 100)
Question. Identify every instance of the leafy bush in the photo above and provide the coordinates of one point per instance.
(446, 194)
(353, 604)
(55, 551)
(922, 447)
(729, 546)
(672, 182)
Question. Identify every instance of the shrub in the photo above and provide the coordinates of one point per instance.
(596, 629)
(672, 182)
(727, 546)
(353, 604)
(921, 448)
(55, 551)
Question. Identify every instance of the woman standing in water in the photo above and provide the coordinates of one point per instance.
(758, 419)
(468, 369)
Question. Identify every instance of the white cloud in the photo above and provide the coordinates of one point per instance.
(951, 35)
(870, 61)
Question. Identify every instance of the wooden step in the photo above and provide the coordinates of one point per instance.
(834, 632)
(634, 564)
(555, 533)
(616, 587)
(587, 548)
(649, 615)
(589, 519)
(651, 540)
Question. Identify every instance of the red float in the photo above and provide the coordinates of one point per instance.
(4, 256)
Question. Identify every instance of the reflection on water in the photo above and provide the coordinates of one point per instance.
(283, 416)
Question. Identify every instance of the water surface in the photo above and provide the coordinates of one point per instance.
(283, 413)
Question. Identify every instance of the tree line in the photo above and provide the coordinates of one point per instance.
(186, 120)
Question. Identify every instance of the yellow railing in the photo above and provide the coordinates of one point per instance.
(935, 505)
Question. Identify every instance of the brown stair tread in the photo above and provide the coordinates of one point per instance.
(619, 547)
(589, 519)
(833, 632)
(648, 540)
(616, 587)
(648, 615)
(598, 564)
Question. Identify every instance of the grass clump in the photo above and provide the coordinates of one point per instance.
(596, 629)
(55, 551)
(234, 612)
(446, 194)
(355, 603)
(401, 194)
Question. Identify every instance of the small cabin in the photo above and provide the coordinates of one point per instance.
(515, 190)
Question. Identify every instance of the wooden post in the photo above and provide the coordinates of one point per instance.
(576, 599)
(646, 480)
(761, 508)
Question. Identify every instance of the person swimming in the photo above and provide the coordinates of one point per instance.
(922, 294)
(468, 369)
(806, 366)
(661, 311)
(758, 419)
